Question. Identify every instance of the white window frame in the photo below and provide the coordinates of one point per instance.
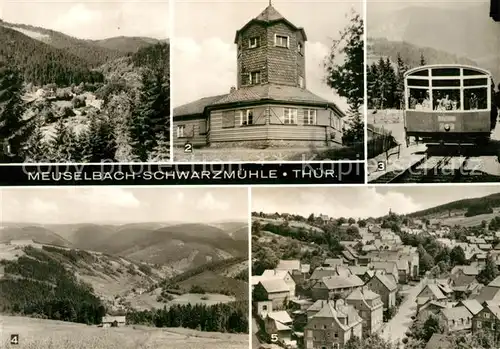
(276, 36)
(290, 114)
(310, 116)
(301, 82)
(180, 131)
(250, 45)
(243, 115)
(479, 324)
(251, 80)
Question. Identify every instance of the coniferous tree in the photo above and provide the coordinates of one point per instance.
(99, 142)
(37, 148)
(151, 115)
(400, 88)
(347, 79)
(422, 59)
(489, 272)
(14, 130)
(62, 143)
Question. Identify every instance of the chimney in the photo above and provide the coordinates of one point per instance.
(232, 89)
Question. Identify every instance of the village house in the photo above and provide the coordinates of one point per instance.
(439, 341)
(327, 287)
(333, 262)
(472, 305)
(383, 286)
(263, 307)
(333, 326)
(430, 308)
(270, 103)
(113, 321)
(369, 307)
(463, 281)
(490, 293)
(430, 292)
(297, 270)
(283, 275)
(488, 319)
(390, 268)
(280, 323)
(275, 290)
(456, 318)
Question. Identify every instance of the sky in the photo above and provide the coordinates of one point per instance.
(204, 53)
(360, 202)
(373, 6)
(88, 19)
(68, 205)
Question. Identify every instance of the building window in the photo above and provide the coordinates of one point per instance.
(290, 116)
(255, 78)
(301, 82)
(254, 42)
(281, 41)
(245, 117)
(479, 324)
(264, 307)
(486, 315)
(336, 335)
(300, 48)
(325, 327)
(180, 131)
(309, 116)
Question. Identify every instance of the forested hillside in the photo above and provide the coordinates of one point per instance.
(67, 99)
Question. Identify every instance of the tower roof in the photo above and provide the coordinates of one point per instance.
(270, 16)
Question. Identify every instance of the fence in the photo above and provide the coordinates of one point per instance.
(379, 141)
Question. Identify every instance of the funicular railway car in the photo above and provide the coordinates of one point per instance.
(449, 104)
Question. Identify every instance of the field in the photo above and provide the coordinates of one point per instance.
(469, 221)
(207, 299)
(48, 334)
(294, 224)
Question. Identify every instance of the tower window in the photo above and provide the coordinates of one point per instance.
(180, 131)
(254, 42)
(281, 41)
(300, 48)
(254, 78)
(301, 82)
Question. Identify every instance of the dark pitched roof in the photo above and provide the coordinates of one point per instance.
(196, 107)
(438, 341)
(269, 16)
(273, 92)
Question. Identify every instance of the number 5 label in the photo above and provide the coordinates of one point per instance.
(274, 337)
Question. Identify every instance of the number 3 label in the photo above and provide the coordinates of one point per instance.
(381, 165)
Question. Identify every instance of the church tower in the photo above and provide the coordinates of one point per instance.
(271, 50)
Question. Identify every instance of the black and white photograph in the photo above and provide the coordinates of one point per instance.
(386, 267)
(128, 268)
(84, 81)
(433, 86)
(268, 80)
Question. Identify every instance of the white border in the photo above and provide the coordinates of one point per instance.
(250, 319)
(171, 28)
(365, 87)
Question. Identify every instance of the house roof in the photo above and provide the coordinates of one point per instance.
(269, 16)
(196, 107)
(357, 270)
(334, 261)
(495, 282)
(466, 269)
(438, 341)
(389, 284)
(472, 305)
(456, 313)
(293, 264)
(274, 285)
(339, 311)
(274, 273)
(321, 272)
(281, 316)
(363, 294)
(488, 293)
(305, 268)
(274, 93)
(348, 255)
(493, 307)
(336, 281)
(435, 290)
(387, 266)
(316, 306)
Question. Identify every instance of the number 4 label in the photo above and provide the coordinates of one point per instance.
(14, 339)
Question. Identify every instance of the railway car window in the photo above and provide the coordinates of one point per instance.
(418, 82)
(446, 72)
(421, 73)
(476, 82)
(475, 98)
(418, 99)
(446, 83)
(446, 100)
(469, 72)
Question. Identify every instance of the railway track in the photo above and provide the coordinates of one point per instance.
(439, 169)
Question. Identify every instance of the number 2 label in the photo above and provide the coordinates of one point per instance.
(188, 148)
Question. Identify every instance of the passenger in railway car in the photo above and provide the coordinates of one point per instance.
(454, 105)
(426, 103)
(473, 102)
(496, 97)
